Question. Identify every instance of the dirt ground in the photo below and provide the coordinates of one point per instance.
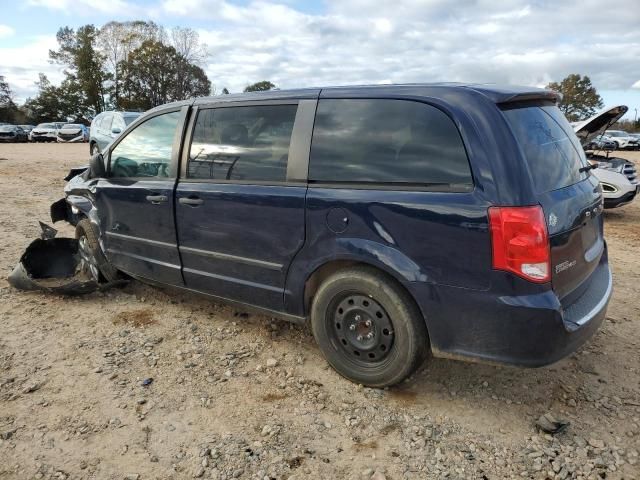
(243, 396)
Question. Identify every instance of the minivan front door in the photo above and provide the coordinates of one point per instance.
(240, 216)
(135, 202)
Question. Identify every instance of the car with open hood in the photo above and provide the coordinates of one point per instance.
(618, 177)
(399, 221)
(73, 133)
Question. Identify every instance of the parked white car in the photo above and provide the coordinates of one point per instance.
(622, 139)
(45, 132)
(73, 132)
(617, 176)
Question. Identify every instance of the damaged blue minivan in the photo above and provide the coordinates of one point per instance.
(399, 220)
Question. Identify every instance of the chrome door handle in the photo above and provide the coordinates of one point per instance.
(191, 201)
(156, 199)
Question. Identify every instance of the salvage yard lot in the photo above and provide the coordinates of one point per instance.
(237, 395)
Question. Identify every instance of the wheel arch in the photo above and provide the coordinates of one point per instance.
(323, 271)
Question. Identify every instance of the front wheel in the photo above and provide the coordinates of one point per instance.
(92, 260)
(368, 328)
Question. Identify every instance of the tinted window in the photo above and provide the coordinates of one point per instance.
(550, 147)
(387, 141)
(130, 118)
(242, 143)
(146, 150)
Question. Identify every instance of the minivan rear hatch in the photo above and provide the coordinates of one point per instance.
(569, 195)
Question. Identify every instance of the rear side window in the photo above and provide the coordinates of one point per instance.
(387, 141)
(242, 143)
(551, 149)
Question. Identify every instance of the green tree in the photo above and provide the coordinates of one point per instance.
(85, 66)
(580, 100)
(225, 91)
(116, 40)
(155, 74)
(260, 86)
(53, 103)
(8, 108)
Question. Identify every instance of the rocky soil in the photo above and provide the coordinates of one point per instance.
(141, 383)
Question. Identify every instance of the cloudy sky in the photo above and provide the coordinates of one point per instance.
(295, 43)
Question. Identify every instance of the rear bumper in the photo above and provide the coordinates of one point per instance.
(529, 330)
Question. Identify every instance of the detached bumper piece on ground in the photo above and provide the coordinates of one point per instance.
(55, 265)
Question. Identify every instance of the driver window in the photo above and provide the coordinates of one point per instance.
(146, 150)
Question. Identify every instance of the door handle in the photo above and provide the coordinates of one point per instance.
(156, 199)
(191, 201)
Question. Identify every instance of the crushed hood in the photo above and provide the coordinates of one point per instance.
(596, 125)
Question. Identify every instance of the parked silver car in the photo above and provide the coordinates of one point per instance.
(73, 132)
(107, 126)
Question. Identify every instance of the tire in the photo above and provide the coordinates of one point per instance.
(368, 328)
(617, 145)
(95, 263)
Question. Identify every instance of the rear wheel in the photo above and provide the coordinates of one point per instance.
(92, 260)
(368, 328)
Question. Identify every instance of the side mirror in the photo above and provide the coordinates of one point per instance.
(116, 130)
(96, 166)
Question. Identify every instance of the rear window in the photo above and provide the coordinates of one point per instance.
(387, 141)
(552, 151)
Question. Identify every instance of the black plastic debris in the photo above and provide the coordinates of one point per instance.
(147, 381)
(54, 265)
(549, 424)
(47, 231)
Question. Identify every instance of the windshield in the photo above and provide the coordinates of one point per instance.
(552, 150)
(46, 125)
(72, 125)
(614, 134)
(130, 118)
(7, 128)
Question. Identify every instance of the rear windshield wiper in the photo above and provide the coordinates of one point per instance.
(586, 168)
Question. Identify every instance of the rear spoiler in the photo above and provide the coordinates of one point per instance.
(513, 94)
(544, 95)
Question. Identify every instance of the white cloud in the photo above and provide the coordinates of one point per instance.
(79, 7)
(416, 40)
(21, 65)
(359, 41)
(636, 85)
(6, 31)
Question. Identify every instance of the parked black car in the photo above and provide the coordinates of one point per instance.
(13, 133)
(460, 220)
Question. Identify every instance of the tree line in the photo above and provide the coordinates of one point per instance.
(134, 65)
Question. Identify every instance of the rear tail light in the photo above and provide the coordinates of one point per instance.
(520, 242)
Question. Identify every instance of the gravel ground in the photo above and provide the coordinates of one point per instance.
(243, 396)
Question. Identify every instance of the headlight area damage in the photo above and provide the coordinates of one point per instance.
(63, 266)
